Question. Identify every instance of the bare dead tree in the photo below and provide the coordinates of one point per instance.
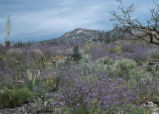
(124, 21)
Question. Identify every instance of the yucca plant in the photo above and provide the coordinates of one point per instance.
(7, 42)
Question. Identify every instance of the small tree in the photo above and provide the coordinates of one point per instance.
(7, 42)
(125, 22)
(76, 54)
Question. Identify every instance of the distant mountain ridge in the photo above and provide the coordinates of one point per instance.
(79, 36)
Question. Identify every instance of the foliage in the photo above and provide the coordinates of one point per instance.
(132, 109)
(127, 48)
(154, 55)
(101, 82)
(126, 23)
(18, 44)
(99, 50)
(14, 97)
(76, 55)
(115, 49)
(122, 68)
(140, 75)
(7, 43)
(137, 52)
(102, 93)
(105, 60)
(110, 40)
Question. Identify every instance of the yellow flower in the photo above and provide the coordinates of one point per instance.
(50, 79)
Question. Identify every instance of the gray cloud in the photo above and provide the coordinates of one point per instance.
(44, 19)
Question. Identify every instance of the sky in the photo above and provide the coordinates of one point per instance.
(35, 20)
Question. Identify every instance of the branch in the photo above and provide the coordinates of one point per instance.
(128, 25)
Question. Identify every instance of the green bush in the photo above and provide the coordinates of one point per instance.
(129, 109)
(110, 40)
(104, 65)
(140, 75)
(132, 109)
(15, 97)
(154, 55)
(122, 67)
(76, 54)
(115, 49)
(105, 60)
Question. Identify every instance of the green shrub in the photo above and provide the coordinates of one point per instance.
(104, 65)
(140, 75)
(154, 55)
(105, 61)
(122, 67)
(132, 109)
(76, 54)
(115, 49)
(15, 97)
(110, 40)
(127, 48)
(7, 43)
(127, 64)
(129, 109)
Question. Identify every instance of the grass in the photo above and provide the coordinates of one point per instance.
(14, 97)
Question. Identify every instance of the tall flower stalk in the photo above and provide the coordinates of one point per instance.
(8, 33)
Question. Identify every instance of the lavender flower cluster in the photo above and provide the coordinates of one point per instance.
(99, 51)
(135, 51)
(101, 94)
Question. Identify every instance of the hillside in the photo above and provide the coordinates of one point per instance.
(82, 36)
(106, 72)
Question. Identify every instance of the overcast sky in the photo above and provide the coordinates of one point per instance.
(34, 20)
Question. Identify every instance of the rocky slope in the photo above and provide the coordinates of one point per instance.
(80, 36)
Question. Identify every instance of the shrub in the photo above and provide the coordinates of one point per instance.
(154, 55)
(110, 40)
(76, 54)
(122, 68)
(125, 64)
(115, 49)
(18, 44)
(139, 53)
(7, 43)
(140, 75)
(140, 57)
(15, 51)
(127, 48)
(104, 65)
(132, 109)
(99, 50)
(105, 60)
(37, 52)
(15, 97)
(149, 91)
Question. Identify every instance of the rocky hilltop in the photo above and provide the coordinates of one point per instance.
(80, 36)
